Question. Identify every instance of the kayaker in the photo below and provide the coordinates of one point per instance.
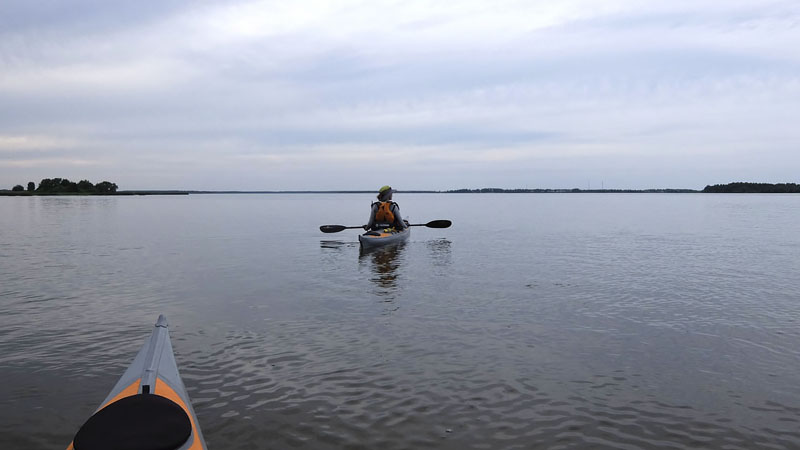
(385, 213)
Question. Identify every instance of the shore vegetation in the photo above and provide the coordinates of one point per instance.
(58, 186)
(757, 188)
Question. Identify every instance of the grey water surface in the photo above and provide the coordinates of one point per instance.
(537, 321)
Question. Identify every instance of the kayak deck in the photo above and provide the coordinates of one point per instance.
(372, 239)
(148, 408)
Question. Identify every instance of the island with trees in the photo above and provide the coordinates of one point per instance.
(754, 188)
(63, 186)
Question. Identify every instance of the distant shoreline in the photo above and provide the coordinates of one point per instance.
(8, 193)
(730, 188)
(460, 191)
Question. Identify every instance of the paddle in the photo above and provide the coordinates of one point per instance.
(431, 224)
(336, 228)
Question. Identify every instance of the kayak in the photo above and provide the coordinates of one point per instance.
(372, 239)
(148, 408)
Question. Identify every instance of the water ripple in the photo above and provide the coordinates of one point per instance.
(606, 322)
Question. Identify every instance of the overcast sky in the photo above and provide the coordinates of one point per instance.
(284, 95)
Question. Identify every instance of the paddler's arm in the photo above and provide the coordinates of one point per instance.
(372, 213)
(398, 219)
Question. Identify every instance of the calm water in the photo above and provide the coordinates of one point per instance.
(538, 321)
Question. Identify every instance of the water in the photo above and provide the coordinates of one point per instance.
(552, 321)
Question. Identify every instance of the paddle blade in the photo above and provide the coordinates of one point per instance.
(332, 228)
(439, 224)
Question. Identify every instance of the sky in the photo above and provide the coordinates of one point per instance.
(353, 95)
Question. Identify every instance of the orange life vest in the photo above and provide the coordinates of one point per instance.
(384, 213)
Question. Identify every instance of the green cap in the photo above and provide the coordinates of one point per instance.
(384, 189)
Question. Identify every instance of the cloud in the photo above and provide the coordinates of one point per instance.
(533, 93)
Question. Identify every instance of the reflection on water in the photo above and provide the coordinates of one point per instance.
(335, 245)
(384, 264)
(657, 321)
(441, 254)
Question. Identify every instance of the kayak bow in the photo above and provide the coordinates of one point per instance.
(148, 408)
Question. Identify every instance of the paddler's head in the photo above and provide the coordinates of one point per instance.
(385, 193)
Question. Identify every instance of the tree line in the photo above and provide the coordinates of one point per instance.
(758, 188)
(65, 186)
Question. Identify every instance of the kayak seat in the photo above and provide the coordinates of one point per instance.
(138, 422)
(372, 233)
